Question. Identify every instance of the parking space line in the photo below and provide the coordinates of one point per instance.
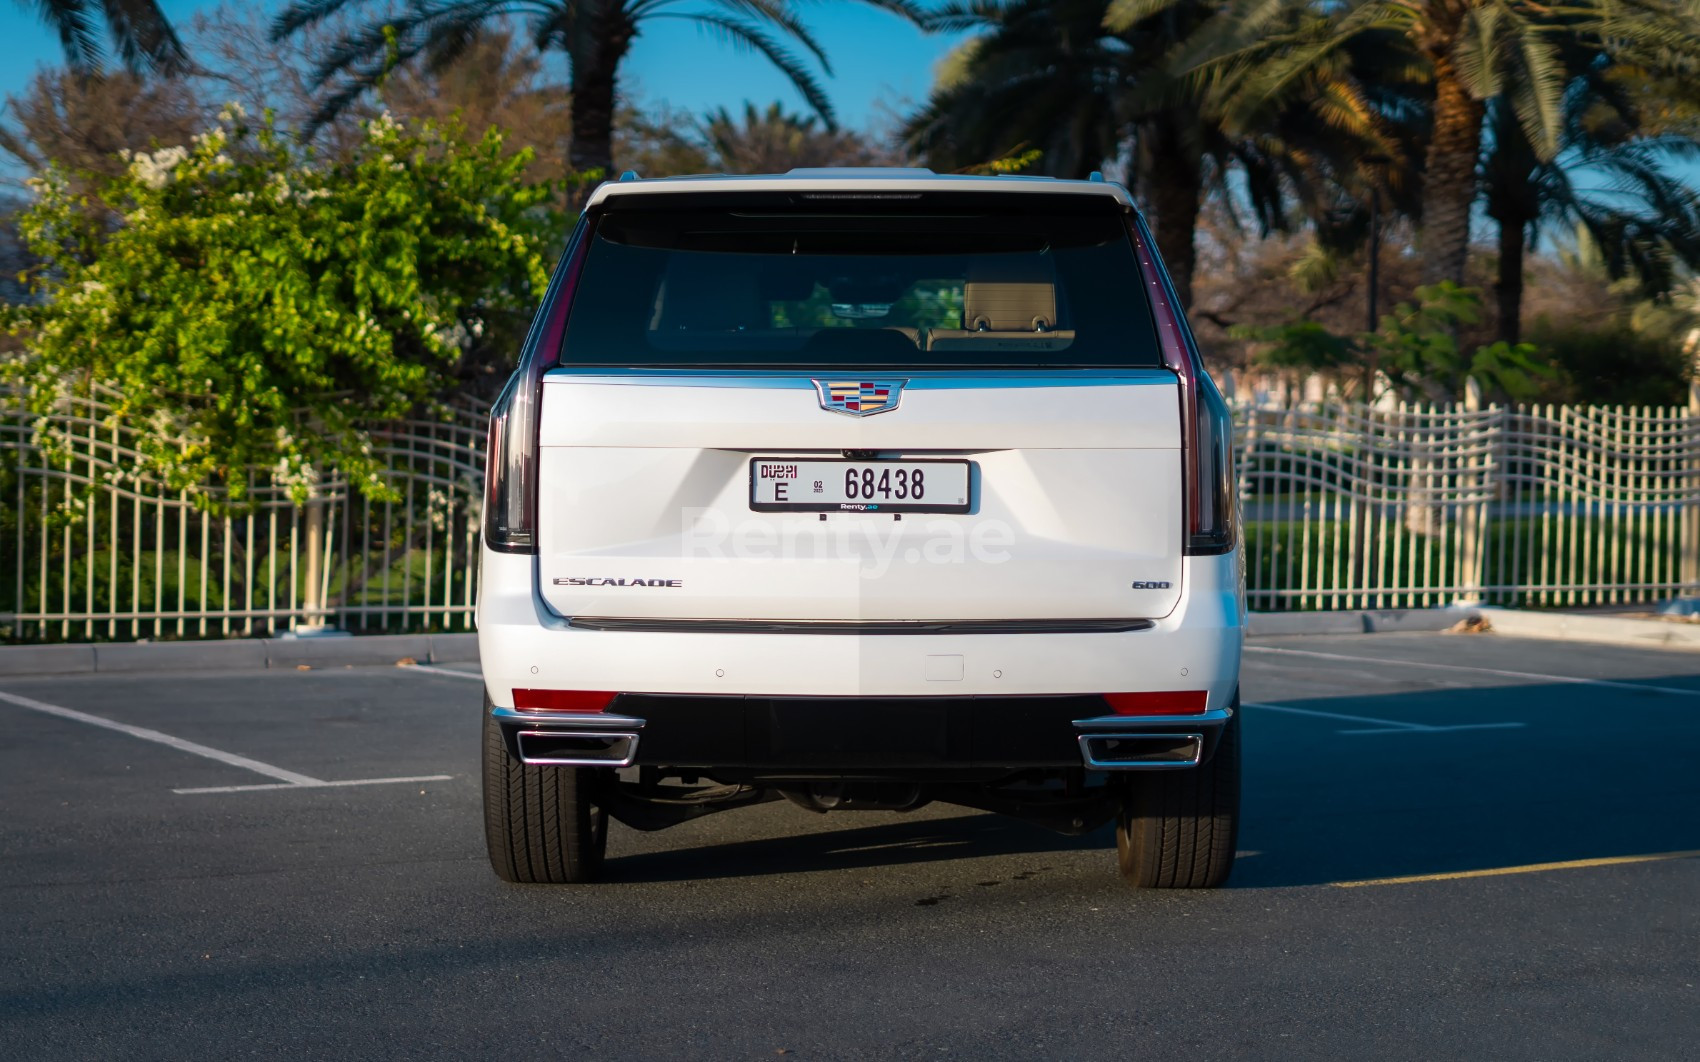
(1382, 726)
(1445, 729)
(1479, 670)
(158, 738)
(1393, 723)
(286, 779)
(1531, 868)
(443, 671)
(310, 785)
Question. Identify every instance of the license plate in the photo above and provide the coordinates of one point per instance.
(779, 485)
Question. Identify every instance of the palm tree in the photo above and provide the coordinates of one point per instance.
(1085, 81)
(594, 35)
(1041, 74)
(772, 141)
(1474, 51)
(1612, 178)
(138, 29)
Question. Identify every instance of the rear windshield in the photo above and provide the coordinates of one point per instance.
(830, 284)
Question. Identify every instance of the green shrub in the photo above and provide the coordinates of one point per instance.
(1613, 365)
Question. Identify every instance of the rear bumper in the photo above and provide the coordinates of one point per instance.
(1197, 646)
(810, 736)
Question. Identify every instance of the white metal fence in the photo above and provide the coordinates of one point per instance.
(89, 549)
(1343, 507)
(1408, 506)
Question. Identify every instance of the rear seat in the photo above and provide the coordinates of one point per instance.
(717, 309)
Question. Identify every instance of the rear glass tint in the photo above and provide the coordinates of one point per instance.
(1041, 282)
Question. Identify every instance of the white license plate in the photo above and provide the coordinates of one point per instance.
(779, 484)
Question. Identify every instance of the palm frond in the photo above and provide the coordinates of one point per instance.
(959, 16)
(1123, 15)
(746, 36)
(779, 14)
(144, 37)
(300, 14)
(905, 9)
(1539, 91)
(73, 23)
(138, 31)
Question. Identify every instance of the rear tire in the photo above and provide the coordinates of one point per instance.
(541, 824)
(1178, 829)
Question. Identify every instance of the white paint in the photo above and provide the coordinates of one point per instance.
(286, 779)
(1202, 632)
(445, 671)
(313, 785)
(1383, 726)
(158, 738)
(1608, 683)
(1443, 729)
(1336, 715)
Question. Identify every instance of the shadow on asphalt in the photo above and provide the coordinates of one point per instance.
(887, 844)
(1591, 773)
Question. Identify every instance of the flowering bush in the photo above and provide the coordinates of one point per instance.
(255, 306)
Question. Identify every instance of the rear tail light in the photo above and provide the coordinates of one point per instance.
(1173, 702)
(562, 700)
(510, 478)
(1207, 457)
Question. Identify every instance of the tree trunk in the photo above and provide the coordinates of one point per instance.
(1513, 235)
(595, 80)
(1449, 176)
(592, 143)
(1169, 179)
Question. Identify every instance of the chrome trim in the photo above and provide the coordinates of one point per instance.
(568, 720)
(621, 746)
(1093, 762)
(719, 626)
(1214, 718)
(917, 379)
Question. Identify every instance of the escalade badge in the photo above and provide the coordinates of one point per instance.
(859, 398)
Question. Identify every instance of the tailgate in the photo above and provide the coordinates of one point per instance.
(1074, 499)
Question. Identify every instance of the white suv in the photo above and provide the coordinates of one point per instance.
(864, 489)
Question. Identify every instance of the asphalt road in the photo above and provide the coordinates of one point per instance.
(315, 920)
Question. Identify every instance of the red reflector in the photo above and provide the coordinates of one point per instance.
(562, 700)
(1176, 702)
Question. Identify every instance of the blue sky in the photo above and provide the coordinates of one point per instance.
(878, 60)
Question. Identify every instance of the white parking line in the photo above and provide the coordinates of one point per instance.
(443, 671)
(289, 777)
(1479, 670)
(286, 779)
(1383, 726)
(312, 785)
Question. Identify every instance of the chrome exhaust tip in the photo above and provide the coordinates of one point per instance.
(576, 748)
(1142, 752)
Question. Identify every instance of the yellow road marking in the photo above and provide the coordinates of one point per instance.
(1532, 868)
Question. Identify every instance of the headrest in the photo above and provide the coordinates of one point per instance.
(1010, 293)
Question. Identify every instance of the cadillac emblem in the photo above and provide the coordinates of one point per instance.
(859, 398)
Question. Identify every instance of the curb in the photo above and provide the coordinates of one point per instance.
(1607, 630)
(243, 654)
(1377, 621)
(1510, 622)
